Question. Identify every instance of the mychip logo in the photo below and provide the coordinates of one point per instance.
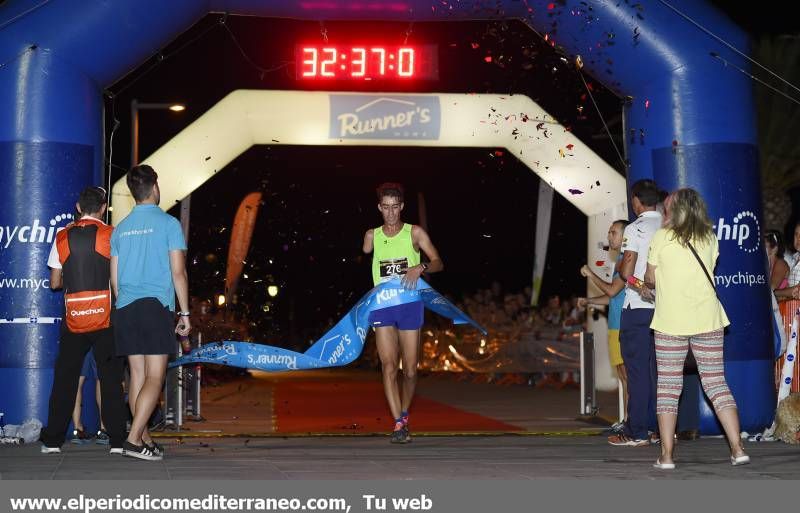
(36, 232)
(744, 229)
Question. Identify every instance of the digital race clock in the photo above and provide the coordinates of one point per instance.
(366, 62)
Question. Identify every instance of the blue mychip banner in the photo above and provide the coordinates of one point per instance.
(339, 346)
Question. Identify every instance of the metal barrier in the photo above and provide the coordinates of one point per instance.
(182, 393)
(587, 377)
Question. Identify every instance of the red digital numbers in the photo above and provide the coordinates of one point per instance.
(327, 67)
(370, 62)
(309, 64)
(358, 62)
(405, 62)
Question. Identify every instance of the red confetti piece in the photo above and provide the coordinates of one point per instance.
(498, 153)
(488, 58)
(600, 263)
(575, 191)
(570, 146)
(475, 46)
(551, 6)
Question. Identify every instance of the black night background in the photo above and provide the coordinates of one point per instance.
(318, 201)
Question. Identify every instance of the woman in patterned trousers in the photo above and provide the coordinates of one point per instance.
(680, 266)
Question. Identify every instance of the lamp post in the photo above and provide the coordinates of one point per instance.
(136, 106)
(173, 384)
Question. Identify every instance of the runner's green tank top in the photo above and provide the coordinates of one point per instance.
(392, 256)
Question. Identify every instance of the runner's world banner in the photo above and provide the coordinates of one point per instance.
(339, 346)
(371, 116)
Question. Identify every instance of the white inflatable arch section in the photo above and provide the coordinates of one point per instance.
(314, 118)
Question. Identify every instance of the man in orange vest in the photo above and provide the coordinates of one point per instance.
(80, 262)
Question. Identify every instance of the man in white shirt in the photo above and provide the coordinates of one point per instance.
(636, 338)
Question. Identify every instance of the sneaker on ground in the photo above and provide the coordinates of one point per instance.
(80, 437)
(102, 438)
(50, 450)
(400, 434)
(624, 440)
(115, 450)
(139, 451)
(654, 438)
(154, 447)
(617, 428)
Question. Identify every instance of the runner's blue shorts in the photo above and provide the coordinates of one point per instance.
(408, 316)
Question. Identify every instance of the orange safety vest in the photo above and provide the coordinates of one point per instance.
(84, 250)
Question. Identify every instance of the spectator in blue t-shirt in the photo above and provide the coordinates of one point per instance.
(148, 268)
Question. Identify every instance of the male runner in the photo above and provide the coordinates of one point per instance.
(396, 247)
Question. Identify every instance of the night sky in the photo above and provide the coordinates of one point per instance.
(318, 201)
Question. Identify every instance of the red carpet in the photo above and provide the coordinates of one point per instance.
(360, 407)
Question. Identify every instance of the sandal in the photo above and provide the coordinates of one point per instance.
(663, 466)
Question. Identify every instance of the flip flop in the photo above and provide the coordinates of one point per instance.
(744, 459)
(665, 466)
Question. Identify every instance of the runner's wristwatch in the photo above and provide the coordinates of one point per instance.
(184, 314)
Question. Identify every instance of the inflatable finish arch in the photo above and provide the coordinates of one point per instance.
(245, 118)
(690, 122)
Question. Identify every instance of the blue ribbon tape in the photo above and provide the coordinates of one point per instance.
(339, 346)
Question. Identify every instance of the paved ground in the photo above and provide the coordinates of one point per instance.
(501, 457)
(212, 449)
(245, 405)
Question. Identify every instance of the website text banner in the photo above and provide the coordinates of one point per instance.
(487, 496)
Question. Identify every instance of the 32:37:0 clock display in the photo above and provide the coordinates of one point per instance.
(366, 62)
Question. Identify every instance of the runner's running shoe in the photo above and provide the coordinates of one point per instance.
(400, 434)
